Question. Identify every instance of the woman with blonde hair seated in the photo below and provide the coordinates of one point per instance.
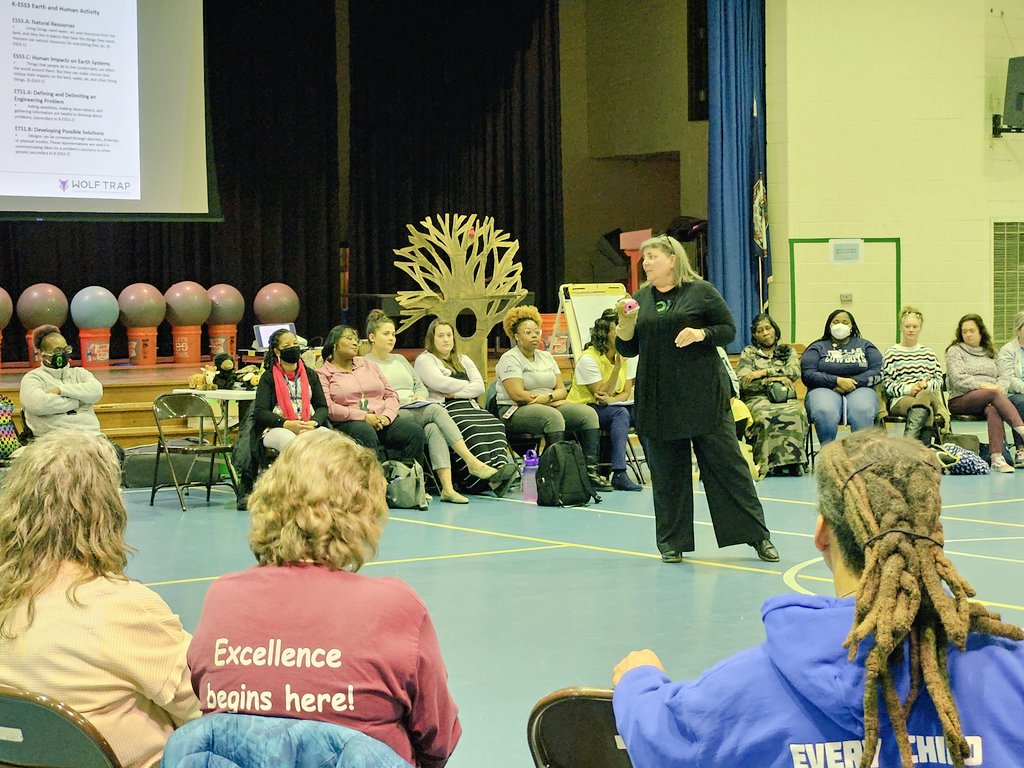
(912, 379)
(72, 626)
(303, 634)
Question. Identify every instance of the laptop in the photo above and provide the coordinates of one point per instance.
(261, 334)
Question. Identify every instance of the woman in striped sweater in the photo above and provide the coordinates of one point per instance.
(912, 379)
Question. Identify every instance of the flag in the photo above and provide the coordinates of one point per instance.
(759, 208)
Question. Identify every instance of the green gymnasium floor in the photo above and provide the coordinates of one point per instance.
(528, 599)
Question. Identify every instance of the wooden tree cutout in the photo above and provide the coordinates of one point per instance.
(461, 264)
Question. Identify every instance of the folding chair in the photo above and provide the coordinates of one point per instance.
(190, 405)
(575, 728)
(36, 730)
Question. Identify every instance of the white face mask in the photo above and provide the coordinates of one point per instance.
(840, 331)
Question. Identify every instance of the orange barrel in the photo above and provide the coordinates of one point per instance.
(33, 353)
(142, 346)
(95, 347)
(186, 343)
(223, 338)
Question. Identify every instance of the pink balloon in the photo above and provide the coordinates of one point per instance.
(228, 306)
(188, 303)
(142, 306)
(6, 308)
(42, 304)
(276, 303)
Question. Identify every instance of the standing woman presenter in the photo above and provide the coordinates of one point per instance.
(682, 399)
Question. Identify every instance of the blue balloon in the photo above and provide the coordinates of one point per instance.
(94, 307)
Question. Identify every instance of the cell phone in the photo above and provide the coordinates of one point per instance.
(508, 414)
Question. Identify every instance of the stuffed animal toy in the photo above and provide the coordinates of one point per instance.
(200, 381)
(224, 365)
(249, 375)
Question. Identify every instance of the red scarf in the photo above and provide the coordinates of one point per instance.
(284, 396)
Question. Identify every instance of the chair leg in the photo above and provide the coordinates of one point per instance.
(634, 461)
(156, 471)
(235, 484)
(209, 478)
(177, 486)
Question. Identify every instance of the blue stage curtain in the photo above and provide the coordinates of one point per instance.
(736, 147)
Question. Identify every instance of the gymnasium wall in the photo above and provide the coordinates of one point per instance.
(879, 126)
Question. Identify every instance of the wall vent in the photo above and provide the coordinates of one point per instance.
(1007, 277)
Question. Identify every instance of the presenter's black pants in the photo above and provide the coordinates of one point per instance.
(735, 509)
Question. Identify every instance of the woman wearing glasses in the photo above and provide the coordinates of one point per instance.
(362, 404)
(682, 400)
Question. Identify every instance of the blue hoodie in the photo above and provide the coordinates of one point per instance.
(795, 701)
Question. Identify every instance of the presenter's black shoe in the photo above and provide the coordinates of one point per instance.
(671, 557)
(242, 501)
(766, 550)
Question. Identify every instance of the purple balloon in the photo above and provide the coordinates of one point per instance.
(42, 304)
(94, 307)
(187, 304)
(276, 303)
(228, 306)
(142, 306)
(6, 308)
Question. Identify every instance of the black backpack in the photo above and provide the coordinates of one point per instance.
(562, 479)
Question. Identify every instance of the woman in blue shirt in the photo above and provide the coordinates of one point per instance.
(840, 371)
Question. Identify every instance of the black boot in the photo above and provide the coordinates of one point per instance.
(550, 438)
(917, 417)
(591, 440)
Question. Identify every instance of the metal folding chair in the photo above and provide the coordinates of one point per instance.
(36, 730)
(208, 442)
(575, 728)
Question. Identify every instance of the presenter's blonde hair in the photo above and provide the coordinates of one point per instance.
(682, 272)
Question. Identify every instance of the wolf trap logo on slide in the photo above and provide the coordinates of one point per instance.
(95, 185)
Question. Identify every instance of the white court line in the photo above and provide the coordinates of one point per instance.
(986, 538)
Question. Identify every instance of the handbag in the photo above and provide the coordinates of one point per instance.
(967, 462)
(778, 392)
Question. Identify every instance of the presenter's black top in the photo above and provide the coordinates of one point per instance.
(680, 392)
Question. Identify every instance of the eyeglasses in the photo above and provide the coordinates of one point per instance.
(66, 351)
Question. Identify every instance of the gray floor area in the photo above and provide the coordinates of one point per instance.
(528, 599)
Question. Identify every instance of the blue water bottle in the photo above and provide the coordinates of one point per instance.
(530, 463)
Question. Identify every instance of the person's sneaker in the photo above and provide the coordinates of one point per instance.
(621, 482)
(999, 464)
(1018, 457)
(766, 550)
(671, 557)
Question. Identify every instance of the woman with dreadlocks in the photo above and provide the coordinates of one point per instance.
(901, 668)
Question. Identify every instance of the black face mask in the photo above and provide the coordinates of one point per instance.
(59, 358)
(290, 355)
